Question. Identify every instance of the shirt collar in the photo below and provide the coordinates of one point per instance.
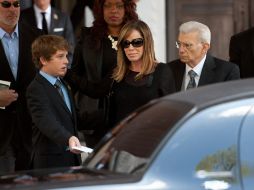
(15, 32)
(38, 10)
(198, 68)
(50, 78)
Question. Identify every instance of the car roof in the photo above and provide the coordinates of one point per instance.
(218, 93)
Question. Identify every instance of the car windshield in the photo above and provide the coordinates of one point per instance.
(129, 147)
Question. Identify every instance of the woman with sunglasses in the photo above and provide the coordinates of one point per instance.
(94, 60)
(138, 77)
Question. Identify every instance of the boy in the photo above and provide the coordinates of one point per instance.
(51, 106)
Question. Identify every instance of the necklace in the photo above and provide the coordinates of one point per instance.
(113, 42)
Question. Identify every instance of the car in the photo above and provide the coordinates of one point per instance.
(200, 139)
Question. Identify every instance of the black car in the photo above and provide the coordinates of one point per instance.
(193, 140)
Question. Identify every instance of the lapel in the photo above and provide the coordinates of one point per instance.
(24, 45)
(5, 70)
(207, 74)
(54, 17)
(93, 61)
(69, 92)
(32, 18)
(53, 93)
(179, 74)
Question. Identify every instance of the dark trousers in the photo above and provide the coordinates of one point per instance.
(15, 150)
(7, 161)
(15, 158)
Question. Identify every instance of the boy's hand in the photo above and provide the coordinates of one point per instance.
(73, 141)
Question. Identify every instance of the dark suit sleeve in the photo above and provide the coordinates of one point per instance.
(43, 117)
(234, 51)
(69, 36)
(167, 82)
(234, 74)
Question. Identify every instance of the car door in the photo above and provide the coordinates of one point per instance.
(202, 151)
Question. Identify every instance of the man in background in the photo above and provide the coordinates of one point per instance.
(51, 20)
(241, 52)
(78, 13)
(17, 69)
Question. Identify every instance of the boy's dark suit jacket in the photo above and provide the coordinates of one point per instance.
(241, 52)
(15, 117)
(53, 125)
(214, 70)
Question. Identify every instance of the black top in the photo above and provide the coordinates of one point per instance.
(92, 66)
(129, 94)
(90, 76)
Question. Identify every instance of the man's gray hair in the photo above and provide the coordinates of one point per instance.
(193, 26)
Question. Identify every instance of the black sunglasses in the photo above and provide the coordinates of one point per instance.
(138, 42)
(7, 4)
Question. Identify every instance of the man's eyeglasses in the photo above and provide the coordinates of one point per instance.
(7, 4)
(184, 45)
(138, 42)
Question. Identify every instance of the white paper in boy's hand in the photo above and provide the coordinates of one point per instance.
(83, 149)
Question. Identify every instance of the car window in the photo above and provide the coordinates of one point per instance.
(131, 149)
(247, 151)
(202, 152)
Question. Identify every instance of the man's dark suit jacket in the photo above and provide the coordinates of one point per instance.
(241, 52)
(214, 70)
(53, 125)
(60, 24)
(15, 117)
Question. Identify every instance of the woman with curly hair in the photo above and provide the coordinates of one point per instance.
(94, 60)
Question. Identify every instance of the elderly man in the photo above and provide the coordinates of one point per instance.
(17, 69)
(195, 67)
(50, 20)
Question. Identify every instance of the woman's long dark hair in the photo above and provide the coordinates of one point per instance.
(99, 29)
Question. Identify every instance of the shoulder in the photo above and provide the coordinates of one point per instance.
(27, 14)
(218, 61)
(27, 11)
(85, 34)
(162, 69)
(226, 65)
(58, 13)
(86, 30)
(36, 83)
(59, 16)
(24, 27)
(244, 35)
(176, 64)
